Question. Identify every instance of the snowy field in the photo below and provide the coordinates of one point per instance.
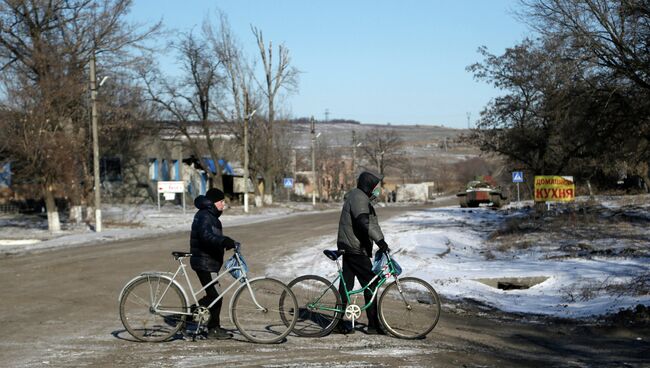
(452, 248)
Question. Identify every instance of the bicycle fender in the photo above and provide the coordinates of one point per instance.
(242, 286)
(164, 275)
(147, 273)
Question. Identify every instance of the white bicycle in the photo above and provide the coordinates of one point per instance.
(154, 306)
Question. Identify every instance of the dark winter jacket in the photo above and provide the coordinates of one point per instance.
(206, 240)
(358, 226)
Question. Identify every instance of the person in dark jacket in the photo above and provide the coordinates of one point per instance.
(358, 229)
(207, 245)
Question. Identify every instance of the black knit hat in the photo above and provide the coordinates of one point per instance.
(215, 195)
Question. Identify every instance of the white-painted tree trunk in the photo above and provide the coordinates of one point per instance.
(90, 214)
(76, 214)
(268, 199)
(53, 222)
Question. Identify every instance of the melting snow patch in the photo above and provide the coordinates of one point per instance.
(395, 352)
(18, 241)
(448, 247)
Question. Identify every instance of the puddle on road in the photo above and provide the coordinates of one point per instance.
(513, 283)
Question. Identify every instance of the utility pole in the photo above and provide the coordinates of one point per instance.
(93, 98)
(246, 174)
(469, 114)
(354, 154)
(313, 161)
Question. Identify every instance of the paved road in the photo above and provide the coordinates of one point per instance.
(59, 309)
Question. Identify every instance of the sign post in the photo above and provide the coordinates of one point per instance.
(518, 177)
(169, 190)
(288, 183)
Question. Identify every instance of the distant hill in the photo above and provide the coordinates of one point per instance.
(421, 141)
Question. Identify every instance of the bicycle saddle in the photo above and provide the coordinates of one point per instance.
(333, 254)
(181, 254)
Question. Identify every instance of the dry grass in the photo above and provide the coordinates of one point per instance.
(122, 224)
(578, 229)
(588, 290)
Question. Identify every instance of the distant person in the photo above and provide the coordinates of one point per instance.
(358, 229)
(207, 245)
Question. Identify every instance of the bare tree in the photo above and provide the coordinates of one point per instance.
(382, 149)
(240, 98)
(331, 169)
(276, 77)
(614, 33)
(44, 48)
(191, 98)
(613, 36)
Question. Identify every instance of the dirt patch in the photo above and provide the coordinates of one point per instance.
(638, 316)
(580, 230)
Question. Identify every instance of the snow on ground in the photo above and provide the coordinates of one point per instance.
(449, 248)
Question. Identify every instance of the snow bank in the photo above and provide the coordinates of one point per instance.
(447, 247)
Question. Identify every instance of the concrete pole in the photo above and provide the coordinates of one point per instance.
(354, 155)
(93, 97)
(313, 162)
(246, 174)
(246, 164)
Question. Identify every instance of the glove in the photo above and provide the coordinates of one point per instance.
(228, 243)
(383, 247)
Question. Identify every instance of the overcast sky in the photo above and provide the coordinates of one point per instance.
(398, 62)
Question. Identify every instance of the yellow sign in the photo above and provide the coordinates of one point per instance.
(554, 189)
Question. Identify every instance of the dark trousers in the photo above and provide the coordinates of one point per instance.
(359, 266)
(211, 294)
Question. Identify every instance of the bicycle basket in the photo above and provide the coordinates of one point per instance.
(381, 260)
(233, 267)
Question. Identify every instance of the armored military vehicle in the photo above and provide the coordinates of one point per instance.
(480, 191)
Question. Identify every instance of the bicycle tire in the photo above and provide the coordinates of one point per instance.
(265, 326)
(137, 308)
(312, 322)
(409, 308)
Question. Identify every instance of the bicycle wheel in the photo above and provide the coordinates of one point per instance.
(313, 294)
(150, 307)
(409, 308)
(258, 310)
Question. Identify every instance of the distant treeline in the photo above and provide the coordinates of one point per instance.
(332, 121)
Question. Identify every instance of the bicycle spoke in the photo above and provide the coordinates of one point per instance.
(265, 325)
(317, 292)
(410, 310)
(137, 315)
(143, 302)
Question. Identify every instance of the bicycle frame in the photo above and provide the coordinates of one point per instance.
(387, 271)
(181, 270)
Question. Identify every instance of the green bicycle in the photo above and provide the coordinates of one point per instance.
(408, 308)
